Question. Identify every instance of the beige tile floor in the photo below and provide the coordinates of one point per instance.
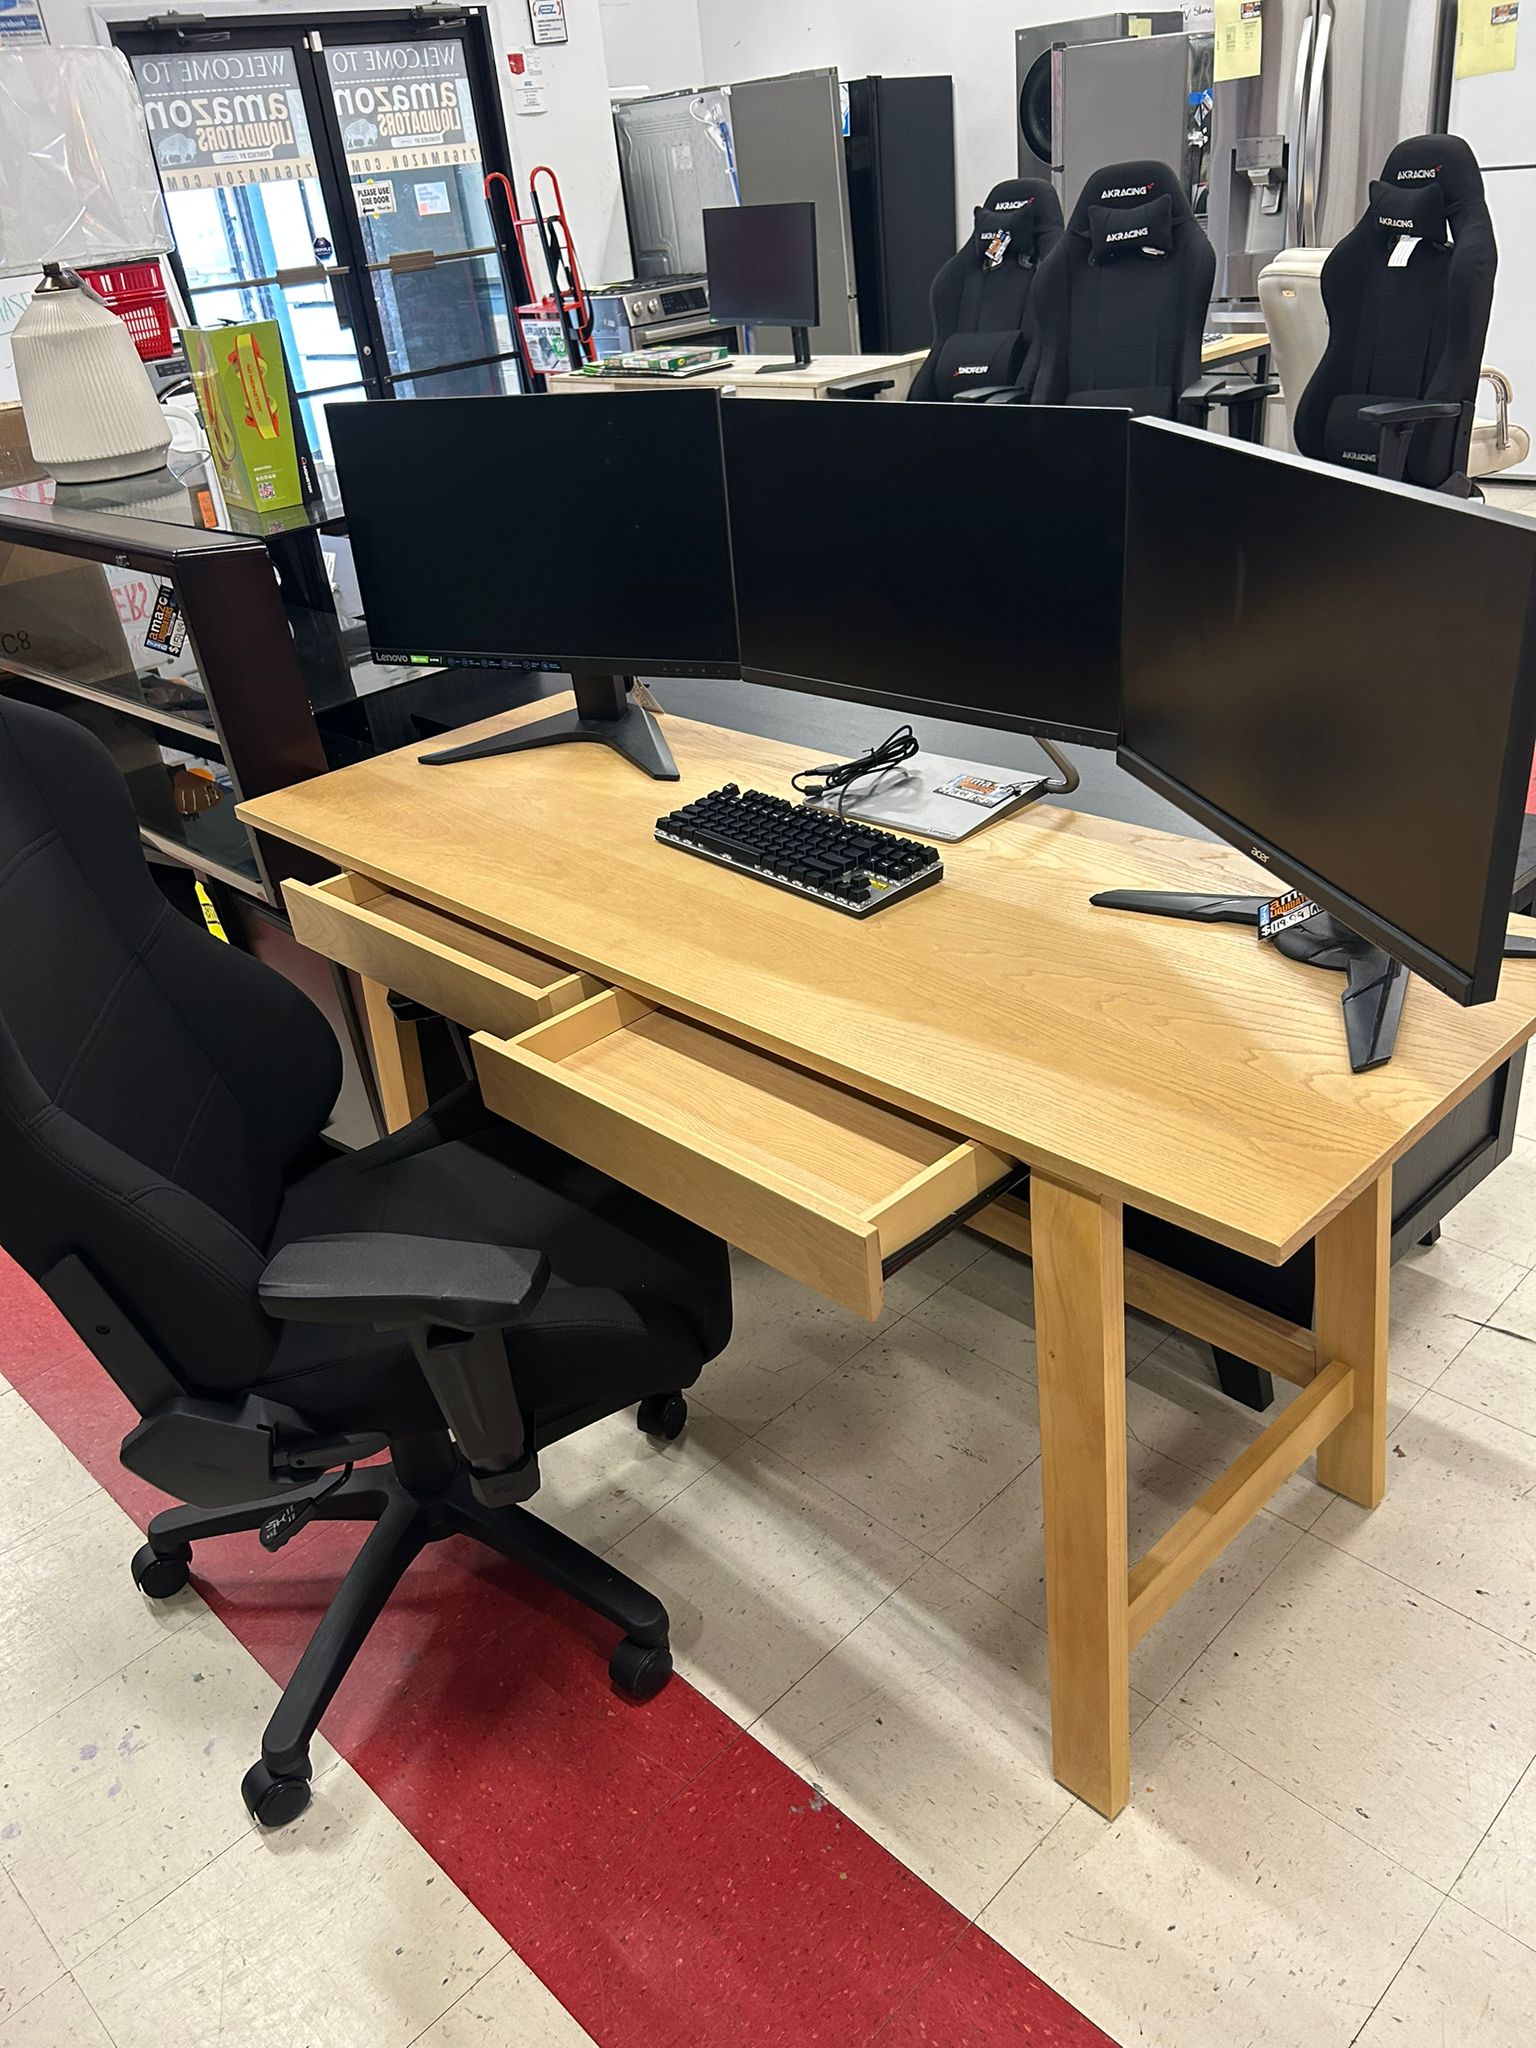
(1332, 1834)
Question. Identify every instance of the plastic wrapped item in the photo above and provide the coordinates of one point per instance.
(77, 180)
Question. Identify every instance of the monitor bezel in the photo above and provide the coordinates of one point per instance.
(927, 707)
(1480, 983)
(544, 661)
(1104, 738)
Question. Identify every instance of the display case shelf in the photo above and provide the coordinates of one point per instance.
(174, 646)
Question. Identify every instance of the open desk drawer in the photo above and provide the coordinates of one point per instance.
(823, 1184)
(472, 976)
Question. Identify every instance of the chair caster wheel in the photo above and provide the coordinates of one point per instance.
(663, 1415)
(639, 1669)
(158, 1573)
(273, 1802)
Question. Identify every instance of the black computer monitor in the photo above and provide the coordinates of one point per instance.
(1338, 676)
(761, 264)
(955, 560)
(583, 532)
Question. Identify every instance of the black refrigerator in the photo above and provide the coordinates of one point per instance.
(900, 156)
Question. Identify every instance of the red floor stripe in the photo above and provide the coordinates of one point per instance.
(672, 1883)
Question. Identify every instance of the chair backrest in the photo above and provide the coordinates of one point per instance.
(1119, 309)
(980, 297)
(156, 1085)
(1405, 329)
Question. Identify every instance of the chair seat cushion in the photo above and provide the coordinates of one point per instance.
(638, 1299)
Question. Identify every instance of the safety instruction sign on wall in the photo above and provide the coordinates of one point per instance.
(1487, 32)
(548, 20)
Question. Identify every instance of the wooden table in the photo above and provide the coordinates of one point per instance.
(738, 374)
(1229, 348)
(829, 1093)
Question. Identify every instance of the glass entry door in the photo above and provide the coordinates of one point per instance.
(326, 172)
(405, 110)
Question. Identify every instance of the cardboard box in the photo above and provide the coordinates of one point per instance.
(58, 618)
(254, 431)
(17, 465)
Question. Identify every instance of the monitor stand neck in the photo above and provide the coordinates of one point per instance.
(605, 714)
(801, 337)
(1373, 997)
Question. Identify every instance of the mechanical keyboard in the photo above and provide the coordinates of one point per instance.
(850, 867)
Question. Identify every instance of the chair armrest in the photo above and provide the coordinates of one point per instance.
(867, 387)
(1208, 392)
(992, 394)
(1411, 412)
(396, 1282)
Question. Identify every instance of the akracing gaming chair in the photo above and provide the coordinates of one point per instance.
(981, 296)
(1408, 293)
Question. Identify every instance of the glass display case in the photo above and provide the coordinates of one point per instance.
(173, 645)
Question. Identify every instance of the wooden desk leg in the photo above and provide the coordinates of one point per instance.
(1354, 1267)
(1080, 1339)
(396, 1058)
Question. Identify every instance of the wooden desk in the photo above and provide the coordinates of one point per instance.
(825, 1092)
(1227, 348)
(738, 374)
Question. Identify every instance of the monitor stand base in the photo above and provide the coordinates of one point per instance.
(1372, 1000)
(604, 714)
(801, 336)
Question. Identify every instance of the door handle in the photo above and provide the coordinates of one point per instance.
(309, 273)
(1293, 227)
(1312, 196)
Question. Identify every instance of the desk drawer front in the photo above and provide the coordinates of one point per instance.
(819, 1182)
(477, 979)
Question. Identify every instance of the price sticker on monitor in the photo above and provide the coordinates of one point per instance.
(979, 789)
(1281, 912)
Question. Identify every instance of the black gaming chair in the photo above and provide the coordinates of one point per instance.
(980, 298)
(1397, 385)
(1119, 308)
(274, 1310)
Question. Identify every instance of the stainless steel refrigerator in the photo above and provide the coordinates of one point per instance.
(1296, 148)
(876, 158)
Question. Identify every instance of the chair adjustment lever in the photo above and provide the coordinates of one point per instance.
(295, 1515)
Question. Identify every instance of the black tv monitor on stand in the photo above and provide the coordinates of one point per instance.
(1338, 677)
(609, 560)
(761, 263)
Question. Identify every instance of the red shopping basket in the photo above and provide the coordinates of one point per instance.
(136, 295)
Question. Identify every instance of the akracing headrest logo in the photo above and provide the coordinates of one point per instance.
(1385, 220)
(1126, 235)
(1011, 205)
(1357, 455)
(1420, 175)
(1128, 191)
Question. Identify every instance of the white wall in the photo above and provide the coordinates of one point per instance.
(654, 43)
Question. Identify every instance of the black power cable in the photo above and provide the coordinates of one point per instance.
(837, 777)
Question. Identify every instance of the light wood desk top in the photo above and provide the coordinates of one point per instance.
(739, 373)
(1179, 1066)
(1228, 347)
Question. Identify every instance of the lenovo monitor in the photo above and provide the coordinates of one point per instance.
(959, 561)
(583, 532)
(1338, 676)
